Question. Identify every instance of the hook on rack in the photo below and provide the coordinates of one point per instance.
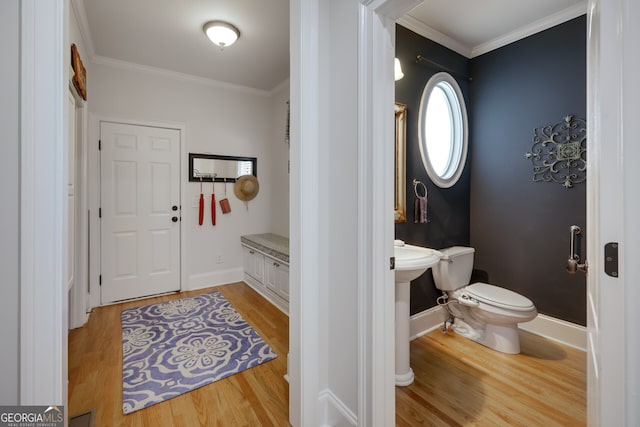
(201, 175)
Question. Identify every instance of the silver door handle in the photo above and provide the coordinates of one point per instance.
(573, 263)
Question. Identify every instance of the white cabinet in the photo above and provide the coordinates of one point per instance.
(267, 275)
(277, 277)
(253, 263)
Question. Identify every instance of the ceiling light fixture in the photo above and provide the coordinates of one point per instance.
(221, 33)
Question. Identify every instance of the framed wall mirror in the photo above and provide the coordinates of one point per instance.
(400, 210)
(215, 168)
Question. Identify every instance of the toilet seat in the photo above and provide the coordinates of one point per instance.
(498, 297)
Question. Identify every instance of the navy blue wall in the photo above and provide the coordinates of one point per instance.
(447, 209)
(519, 228)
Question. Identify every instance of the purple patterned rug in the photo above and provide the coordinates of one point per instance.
(174, 347)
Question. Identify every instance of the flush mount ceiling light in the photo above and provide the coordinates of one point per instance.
(221, 33)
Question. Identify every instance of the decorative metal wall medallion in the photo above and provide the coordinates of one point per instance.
(559, 152)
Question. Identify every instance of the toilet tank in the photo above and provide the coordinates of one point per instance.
(454, 269)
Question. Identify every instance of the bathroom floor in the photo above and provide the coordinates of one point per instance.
(462, 383)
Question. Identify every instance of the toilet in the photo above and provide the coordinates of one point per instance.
(484, 313)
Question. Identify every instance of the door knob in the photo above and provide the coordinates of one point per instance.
(174, 219)
(174, 208)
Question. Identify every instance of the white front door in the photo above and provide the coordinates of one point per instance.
(140, 211)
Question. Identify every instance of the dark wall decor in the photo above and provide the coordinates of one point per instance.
(559, 152)
(518, 227)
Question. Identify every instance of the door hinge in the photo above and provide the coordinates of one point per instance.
(99, 145)
(392, 263)
(611, 259)
(100, 280)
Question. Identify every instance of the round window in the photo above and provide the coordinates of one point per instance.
(442, 125)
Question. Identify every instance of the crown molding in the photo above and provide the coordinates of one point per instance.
(391, 9)
(533, 28)
(285, 83)
(419, 27)
(174, 75)
(424, 30)
(80, 13)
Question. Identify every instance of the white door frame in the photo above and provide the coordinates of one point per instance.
(613, 209)
(94, 196)
(78, 296)
(376, 386)
(43, 202)
(376, 289)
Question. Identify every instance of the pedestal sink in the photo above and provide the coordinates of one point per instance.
(410, 263)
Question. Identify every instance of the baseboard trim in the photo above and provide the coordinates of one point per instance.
(558, 330)
(424, 322)
(214, 278)
(274, 299)
(335, 412)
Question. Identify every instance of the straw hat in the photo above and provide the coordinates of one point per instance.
(246, 187)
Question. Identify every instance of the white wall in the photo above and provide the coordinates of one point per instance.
(279, 160)
(9, 187)
(217, 120)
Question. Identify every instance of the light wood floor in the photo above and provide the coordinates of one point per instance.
(256, 397)
(462, 383)
(458, 382)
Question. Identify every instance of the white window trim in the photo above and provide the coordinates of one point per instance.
(460, 148)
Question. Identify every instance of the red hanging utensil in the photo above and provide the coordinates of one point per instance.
(213, 201)
(224, 203)
(201, 208)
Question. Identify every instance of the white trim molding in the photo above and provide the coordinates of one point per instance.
(424, 322)
(557, 330)
(304, 306)
(336, 413)
(531, 29)
(43, 207)
(418, 27)
(80, 13)
(79, 295)
(376, 290)
(175, 75)
(426, 31)
(214, 278)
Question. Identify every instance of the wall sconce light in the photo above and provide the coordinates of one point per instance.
(221, 33)
(398, 69)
